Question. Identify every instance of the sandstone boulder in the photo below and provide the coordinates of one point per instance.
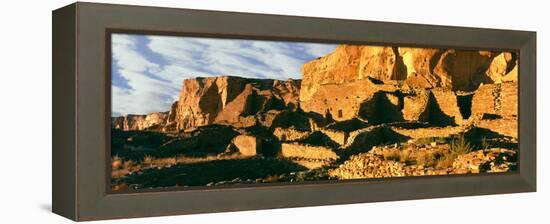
(247, 145)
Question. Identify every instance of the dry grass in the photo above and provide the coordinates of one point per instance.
(392, 154)
(445, 161)
(403, 156)
(406, 157)
(457, 146)
(460, 146)
(440, 159)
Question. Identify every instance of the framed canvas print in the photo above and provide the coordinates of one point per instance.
(201, 111)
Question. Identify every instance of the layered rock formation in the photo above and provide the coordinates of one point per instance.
(377, 84)
(153, 121)
(232, 100)
(360, 81)
(227, 100)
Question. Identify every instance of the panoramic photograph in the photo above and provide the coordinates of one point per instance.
(208, 112)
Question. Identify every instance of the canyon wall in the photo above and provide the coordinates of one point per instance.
(377, 84)
(340, 83)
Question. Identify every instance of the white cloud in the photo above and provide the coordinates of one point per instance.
(146, 94)
(155, 85)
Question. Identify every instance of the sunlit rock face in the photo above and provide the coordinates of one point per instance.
(376, 83)
(358, 112)
(353, 79)
(130, 122)
(232, 100)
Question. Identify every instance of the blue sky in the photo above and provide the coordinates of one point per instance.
(148, 71)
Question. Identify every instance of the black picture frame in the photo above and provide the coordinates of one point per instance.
(81, 110)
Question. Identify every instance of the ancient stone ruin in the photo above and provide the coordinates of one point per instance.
(349, 113)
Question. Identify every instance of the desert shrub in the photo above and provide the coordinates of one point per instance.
(403, 156)
(457, 146)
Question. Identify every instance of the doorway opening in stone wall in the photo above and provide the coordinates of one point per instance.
(197, 111)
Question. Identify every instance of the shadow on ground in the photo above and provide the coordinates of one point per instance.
(203, 173)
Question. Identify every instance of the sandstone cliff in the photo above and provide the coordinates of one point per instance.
(152, 121)
(232, 100)
(227, 100)
(374, 83)
(354, 81)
